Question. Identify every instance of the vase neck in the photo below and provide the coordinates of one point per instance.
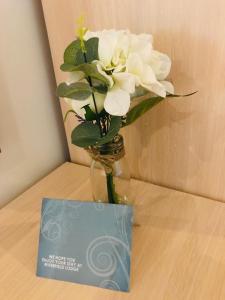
(114, 147)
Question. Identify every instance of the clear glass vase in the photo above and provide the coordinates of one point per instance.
(110, 175)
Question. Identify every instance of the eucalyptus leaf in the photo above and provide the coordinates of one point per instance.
(91, 47)
(77, 90)
(74, 55)
(67, 67)
(85, 134)
(101, 88)
(88, 134)
(90, 70)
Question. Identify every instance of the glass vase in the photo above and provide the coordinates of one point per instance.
(110, 175)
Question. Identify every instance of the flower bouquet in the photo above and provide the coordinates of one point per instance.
(114, 78)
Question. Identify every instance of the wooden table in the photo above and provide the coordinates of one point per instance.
(178, 251)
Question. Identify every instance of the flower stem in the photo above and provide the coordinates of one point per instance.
(94, 100)
(112, 196)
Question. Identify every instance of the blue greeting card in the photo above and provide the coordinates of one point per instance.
(85, 242)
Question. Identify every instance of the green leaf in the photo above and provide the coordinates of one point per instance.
(77, 90)
(88, 69)
(91, 47)
(141, 108)
(178, 96)
(92, 71)
(66, 67)
(88, 134)
(114, 128)
(101, 88)
(73, 54)
(89, 114)
(85, 134)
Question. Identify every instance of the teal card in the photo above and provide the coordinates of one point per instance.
(86, 243)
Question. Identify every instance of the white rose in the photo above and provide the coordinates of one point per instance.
(132, 62)
(112, 47)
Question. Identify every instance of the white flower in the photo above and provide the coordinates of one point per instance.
(160, 64)
(147, 77)
(141, 44)
(117, 101)
(128, 61)
(112, 47)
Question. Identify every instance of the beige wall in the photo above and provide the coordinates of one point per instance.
(180, 143)
(31, 131)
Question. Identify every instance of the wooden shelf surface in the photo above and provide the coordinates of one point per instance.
(178, 250)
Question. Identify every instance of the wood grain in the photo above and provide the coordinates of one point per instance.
(180, 143)
(178, 252)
